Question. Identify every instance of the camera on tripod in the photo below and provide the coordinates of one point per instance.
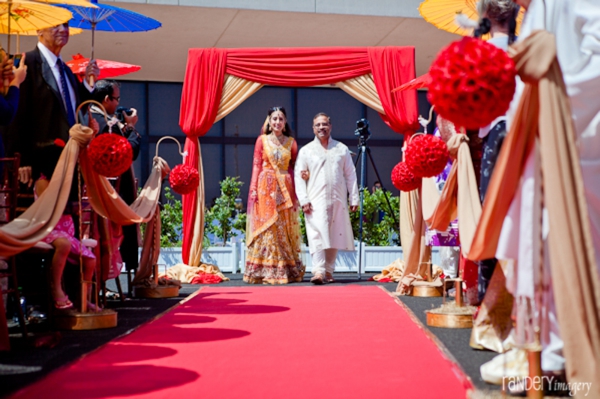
(362, 129)
(121, 111)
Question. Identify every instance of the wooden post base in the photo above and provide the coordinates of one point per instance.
(451, 316)
(426, 291)
(169, 291)
(75, 320)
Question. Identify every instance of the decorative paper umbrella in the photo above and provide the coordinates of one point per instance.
(108, 69)
(416, 83)
(442, 13)
(22, 16)
(109, 18)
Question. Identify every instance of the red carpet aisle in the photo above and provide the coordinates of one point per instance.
(267, 342)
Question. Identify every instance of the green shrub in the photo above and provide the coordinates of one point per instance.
(224, 212)
(375, 232)
(171, 219)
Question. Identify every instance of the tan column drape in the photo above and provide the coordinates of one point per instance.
(196, 249)
(416, 252)
(544, 110)
(150, 251)
(235, 91)
(460, 196)
(363, 89)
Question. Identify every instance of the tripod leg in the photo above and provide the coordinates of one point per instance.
(383, 188)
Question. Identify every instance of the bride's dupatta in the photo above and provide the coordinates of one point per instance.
(272, 195)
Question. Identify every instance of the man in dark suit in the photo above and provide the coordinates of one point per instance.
(49, 98)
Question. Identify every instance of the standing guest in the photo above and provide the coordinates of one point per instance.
(10, 100)
(108, 93)
(502, 16)
(273, 231)
(48, 100)
(325, 175)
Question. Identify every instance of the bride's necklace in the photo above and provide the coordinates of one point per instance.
(278, 140)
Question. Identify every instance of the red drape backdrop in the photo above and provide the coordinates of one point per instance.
(203, 85)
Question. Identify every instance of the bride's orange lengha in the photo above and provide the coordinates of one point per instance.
(273, 231)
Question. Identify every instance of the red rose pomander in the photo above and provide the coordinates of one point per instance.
(426, 155)
(110, 154)
(403, 179)
(473, 83)
(184, 179)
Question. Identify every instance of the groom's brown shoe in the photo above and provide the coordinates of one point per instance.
(329, 278)
(317, 279)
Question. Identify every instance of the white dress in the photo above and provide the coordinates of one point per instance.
(332, 178)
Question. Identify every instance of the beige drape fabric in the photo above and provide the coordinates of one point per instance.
(363, 89)
(198, 237)
(460, 196)
(544, 110)
(235, 91)
(416, 253)
(41, 217)
(150, 251)
(106, 201)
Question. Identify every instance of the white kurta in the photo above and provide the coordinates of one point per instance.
(576, 25)
(332, 178)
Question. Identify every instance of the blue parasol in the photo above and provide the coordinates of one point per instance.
(110, 19)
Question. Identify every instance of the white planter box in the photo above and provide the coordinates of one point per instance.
(374, 259)
(232, 258)
(227, 258)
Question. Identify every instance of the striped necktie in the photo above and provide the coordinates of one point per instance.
(66, 93)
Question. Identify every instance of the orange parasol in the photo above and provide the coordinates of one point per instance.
(442, 14)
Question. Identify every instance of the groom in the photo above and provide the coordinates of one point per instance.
(324, 175)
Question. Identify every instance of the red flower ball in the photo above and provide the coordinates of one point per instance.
(184, 179)
(473, 83)
(426, 155)
(110, 154)
(403, 179)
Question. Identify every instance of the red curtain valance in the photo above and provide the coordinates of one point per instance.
(390, 66)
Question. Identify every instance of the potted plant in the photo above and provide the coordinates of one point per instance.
(225, 222)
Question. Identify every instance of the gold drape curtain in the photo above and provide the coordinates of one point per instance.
(196, 249)
(460, 196)
(363, 89)
(544, 110)
(235, 91)
(412, 234)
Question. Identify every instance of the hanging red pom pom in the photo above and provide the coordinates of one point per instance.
(473, 83)
(110, 154)
(184, 179)
(426, 155)
(403, 179)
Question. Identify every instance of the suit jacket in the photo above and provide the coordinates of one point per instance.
(41, 117)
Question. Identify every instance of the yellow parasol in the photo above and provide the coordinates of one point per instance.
(23, 16)
(442, 14)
